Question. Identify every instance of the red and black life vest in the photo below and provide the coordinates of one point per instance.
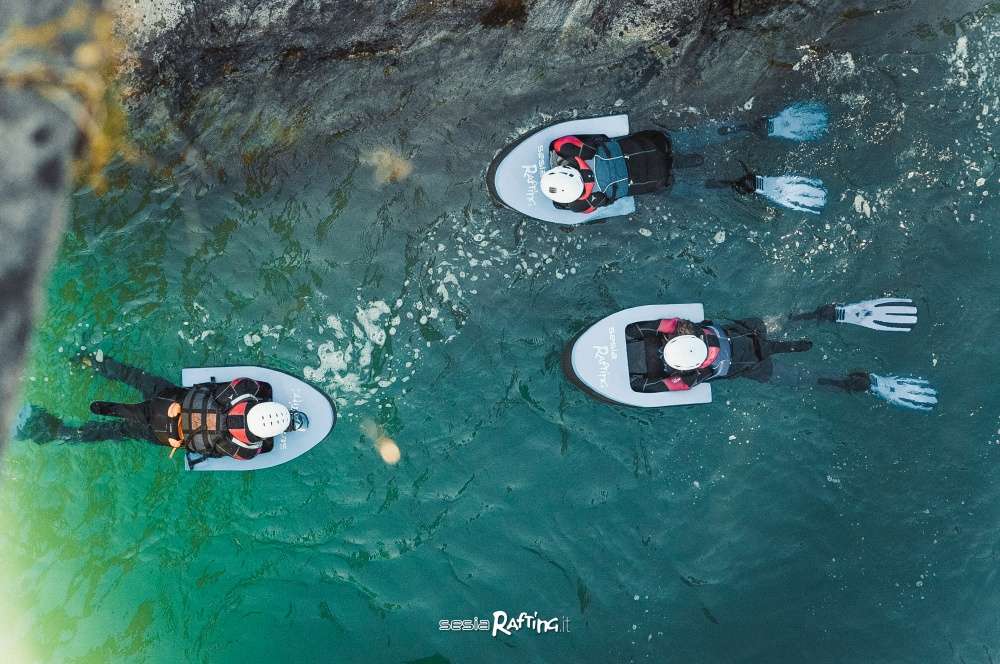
(214, 430)
(589, 200)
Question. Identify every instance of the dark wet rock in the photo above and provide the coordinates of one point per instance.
(504, 12)
(751, 7)
(339, 68)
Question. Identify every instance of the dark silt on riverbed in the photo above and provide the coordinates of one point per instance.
(313, 200)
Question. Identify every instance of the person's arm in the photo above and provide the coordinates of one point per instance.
(644, 329)
(596, 200)
(686, 380)
(583, 146)
(242, 388)
(678, 383)
(668, 325)
(640, 383)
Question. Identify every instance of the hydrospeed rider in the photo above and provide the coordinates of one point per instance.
(675, 354)
(640, 163)
(592, 170)
(236, 419)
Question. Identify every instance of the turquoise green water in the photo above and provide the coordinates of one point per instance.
(776, 524)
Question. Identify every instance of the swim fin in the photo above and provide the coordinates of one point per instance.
(886, 314)
(794, 192)
(802, 121)
(912, 393)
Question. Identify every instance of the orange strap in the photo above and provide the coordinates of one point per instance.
(180, 435)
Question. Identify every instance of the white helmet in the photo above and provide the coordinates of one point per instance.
(268, 419)
(685, 352)
(562, 184)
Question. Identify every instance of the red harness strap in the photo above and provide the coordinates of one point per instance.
(239, 434)
(588, 182)
(713, 351)
(560, 143)
(667, 325)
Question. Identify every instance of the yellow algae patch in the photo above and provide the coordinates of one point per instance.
(81, 83)
(389, 166)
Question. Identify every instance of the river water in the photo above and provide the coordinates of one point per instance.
(334, 223)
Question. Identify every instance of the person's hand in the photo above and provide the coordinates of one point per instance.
(174, 410)
(174, 442)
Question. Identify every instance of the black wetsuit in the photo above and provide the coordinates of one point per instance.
(647, 158)
(210, 424)
(150, 417)
(750, 354)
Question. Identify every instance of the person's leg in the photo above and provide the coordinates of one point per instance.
(42, 427)
(825, 313)
(856, 381)
(95, 432)
(769, 347)
(148, 384)
(641, 329)
(135, 413)
(687, 161)
(749, 337)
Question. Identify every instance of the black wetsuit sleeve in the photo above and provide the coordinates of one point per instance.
(646, 384)
(265, 393)
(641, 383)
(692, 378)
(590, 142)
(228, 393)
(596, 200)
(642, 329)
(599, 199)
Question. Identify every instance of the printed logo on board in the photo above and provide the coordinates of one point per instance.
(531, 172)
(295, 403)
(604, 355)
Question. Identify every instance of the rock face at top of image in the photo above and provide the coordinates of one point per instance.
(346, 64)
(188, 44)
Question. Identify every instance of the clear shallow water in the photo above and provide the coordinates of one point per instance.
(773, 525)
